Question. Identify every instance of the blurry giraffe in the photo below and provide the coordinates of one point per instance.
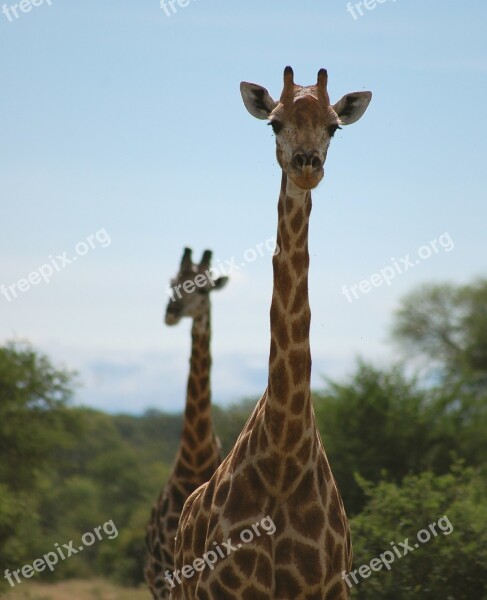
(199, 451)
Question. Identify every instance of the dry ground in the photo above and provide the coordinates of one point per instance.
(95, 589)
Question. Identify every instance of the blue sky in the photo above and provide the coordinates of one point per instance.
(126, 125)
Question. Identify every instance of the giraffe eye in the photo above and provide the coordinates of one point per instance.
(276, 126)
(332, 129)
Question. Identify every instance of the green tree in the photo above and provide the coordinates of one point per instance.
(34, 423)
(33, 416)
(447, 326)
(457, 416)
(376, 424)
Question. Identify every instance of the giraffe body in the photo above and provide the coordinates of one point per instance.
(199, 451)
(278, 467)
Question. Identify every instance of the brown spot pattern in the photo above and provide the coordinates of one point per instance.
(307, 560)
(280, 334)
(246, 560)
(297, 221)
(279, 380)
(293, 433)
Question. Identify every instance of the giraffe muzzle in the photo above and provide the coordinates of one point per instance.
(306, 169)
(172, 318)
(307, 162)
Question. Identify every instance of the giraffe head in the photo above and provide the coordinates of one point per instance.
(304, 122)
(191, 287)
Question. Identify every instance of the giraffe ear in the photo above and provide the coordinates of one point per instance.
(257, 100)
(352, 106)
(220, 283)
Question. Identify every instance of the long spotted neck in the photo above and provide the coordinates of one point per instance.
(288, 393)
(198, 436)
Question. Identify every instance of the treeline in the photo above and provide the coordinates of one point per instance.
(406, 451)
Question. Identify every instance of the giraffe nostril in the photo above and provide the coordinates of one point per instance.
(316, 163)
(299, 160)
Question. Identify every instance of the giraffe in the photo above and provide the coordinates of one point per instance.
(277, 473)
(199, 451)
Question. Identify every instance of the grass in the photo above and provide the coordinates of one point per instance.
(93, 589)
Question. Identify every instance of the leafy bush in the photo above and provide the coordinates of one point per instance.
(448, 567)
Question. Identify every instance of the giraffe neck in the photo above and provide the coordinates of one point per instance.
(288, 393)
(197, 426)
